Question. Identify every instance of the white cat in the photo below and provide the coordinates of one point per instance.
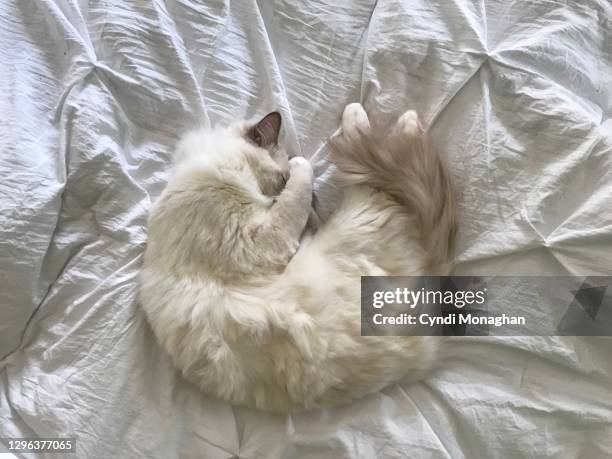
(257, 313)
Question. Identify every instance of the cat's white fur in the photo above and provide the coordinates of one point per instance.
(250, 308)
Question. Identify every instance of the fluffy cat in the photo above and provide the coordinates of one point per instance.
(258, 312)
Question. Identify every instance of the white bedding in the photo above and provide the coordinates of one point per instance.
(94, 96)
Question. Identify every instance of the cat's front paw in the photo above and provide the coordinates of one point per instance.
(409, 123)
(300, 167)
(355, 117)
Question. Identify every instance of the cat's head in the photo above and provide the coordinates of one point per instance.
(248, 152)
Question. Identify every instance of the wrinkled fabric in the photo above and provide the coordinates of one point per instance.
(94, 97)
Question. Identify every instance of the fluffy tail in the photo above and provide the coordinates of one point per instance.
(403, 163)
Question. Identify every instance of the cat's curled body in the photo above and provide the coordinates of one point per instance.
(254, 315)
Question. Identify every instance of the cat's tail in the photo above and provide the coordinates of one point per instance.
(402, 162)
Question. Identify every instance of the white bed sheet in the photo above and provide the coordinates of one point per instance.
(94, 96)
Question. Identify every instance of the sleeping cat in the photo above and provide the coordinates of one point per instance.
(255, 310)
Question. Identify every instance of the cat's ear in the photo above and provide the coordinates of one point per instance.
(265, 133)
